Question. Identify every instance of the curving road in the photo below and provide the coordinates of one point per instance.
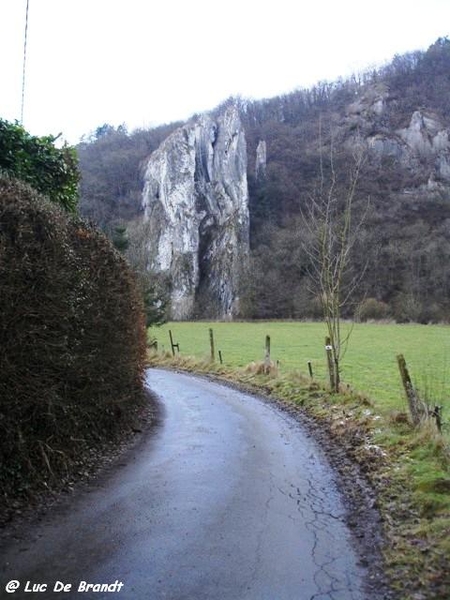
(228, 499)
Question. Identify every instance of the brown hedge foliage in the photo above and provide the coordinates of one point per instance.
(72, 338)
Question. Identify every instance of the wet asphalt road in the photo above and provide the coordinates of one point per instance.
(228, 499)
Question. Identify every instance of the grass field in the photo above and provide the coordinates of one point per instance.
(369, 366)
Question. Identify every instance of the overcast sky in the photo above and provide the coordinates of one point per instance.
(146, 62)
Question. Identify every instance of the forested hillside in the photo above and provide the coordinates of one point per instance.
(396, 117)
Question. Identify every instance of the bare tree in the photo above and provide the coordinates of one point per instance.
(332, 236)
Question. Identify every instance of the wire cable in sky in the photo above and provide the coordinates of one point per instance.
(24, 63)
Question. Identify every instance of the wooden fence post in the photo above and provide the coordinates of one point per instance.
(211, 343)
(267, 355)
(310, 369)
(172, 345)
(415, 407)
(329, 351)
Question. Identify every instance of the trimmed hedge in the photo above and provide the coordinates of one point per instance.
(72, 338)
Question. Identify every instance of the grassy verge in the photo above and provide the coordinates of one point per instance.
(408, 468)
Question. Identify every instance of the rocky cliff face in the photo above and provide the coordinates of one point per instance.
(195, 201)
(421, 147)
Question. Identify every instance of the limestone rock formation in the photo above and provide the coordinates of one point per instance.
(195, 203)
(423, 145)
(261, 160)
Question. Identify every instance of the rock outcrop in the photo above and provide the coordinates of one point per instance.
(195, 201)
(423, 146)
(261, 160)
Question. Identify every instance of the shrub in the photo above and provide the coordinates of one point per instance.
(433, 313)
(406, 308)
(72, 337)
(371, 308)
(35, 160)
